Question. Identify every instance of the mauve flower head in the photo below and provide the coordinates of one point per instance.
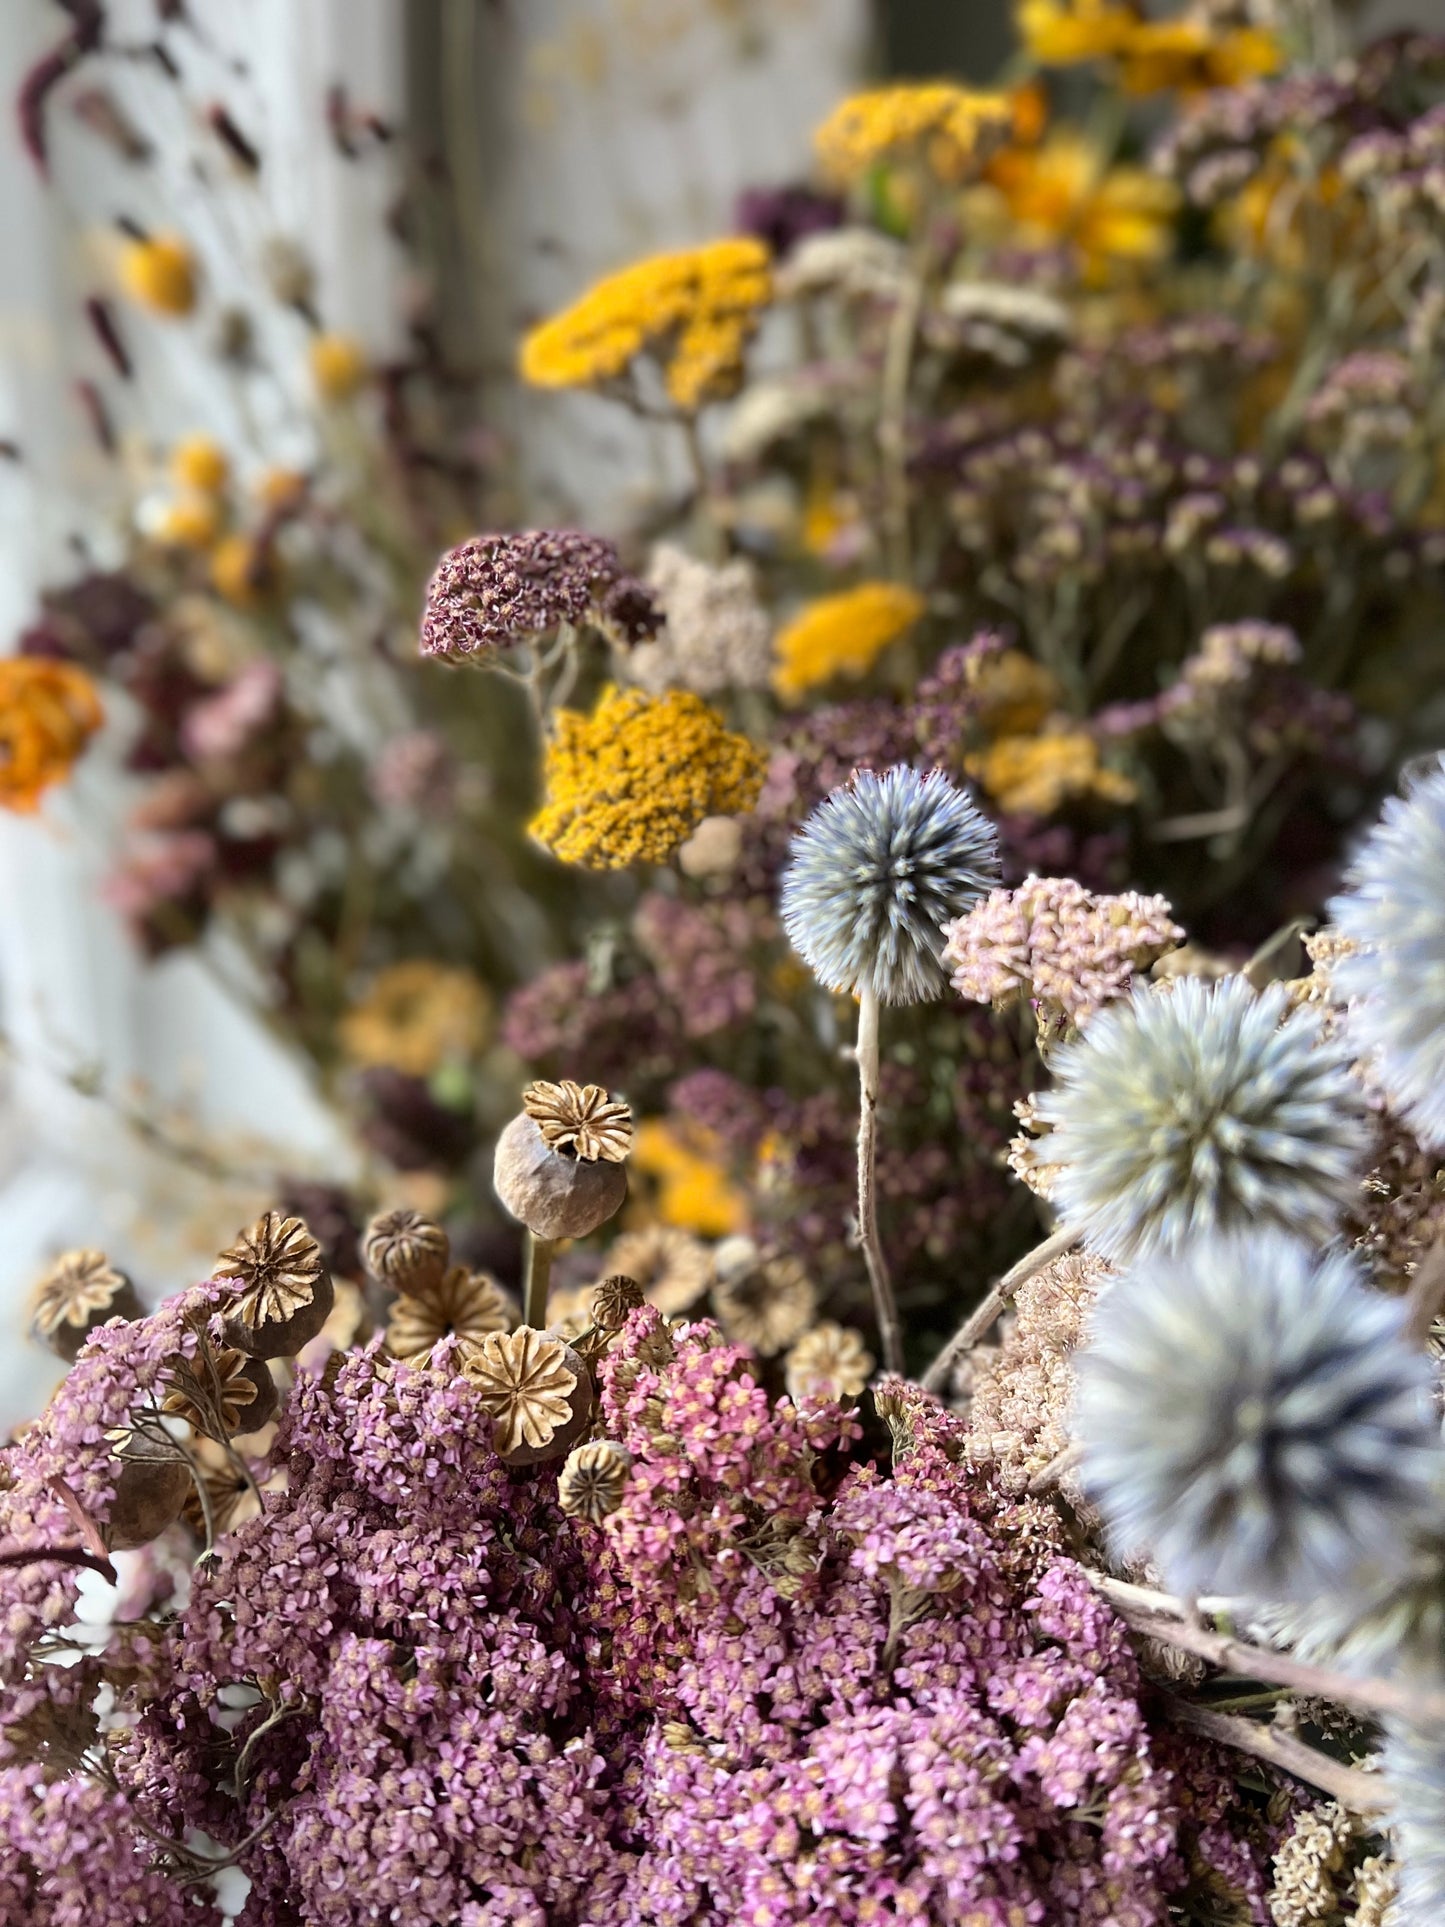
(876, 871)
(1254, 1417)
(224, 724)
(1200, 1109)
(496, 591)
(1393, 911)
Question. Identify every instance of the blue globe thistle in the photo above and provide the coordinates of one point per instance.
(1394, 911)
(1414, 1763)
(1199, 1109)
(876, 871)
(1252, 1414)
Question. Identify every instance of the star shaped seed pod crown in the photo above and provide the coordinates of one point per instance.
(283, 1290)
(580, 1118)
(81, 1290)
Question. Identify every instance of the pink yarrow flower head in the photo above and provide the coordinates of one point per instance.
(494, 592)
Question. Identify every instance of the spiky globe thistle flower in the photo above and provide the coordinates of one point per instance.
(1414, 1764)
(1394, 913)
(1253, 1416)
(1200, 1110)
(876, 871)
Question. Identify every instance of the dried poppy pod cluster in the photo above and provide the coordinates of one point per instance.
(559, 1163)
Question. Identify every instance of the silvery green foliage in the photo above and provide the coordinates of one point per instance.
(1394, 910)
(1181, 1113)
(1414, 1763)
(1253, 1416)
(876, 871)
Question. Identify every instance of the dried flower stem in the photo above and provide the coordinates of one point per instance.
(11, 1555)
(893, 422)
(1357, 1791)
(981, 1318)
(885, 1305)
(1162, 1619)
(536, 1278)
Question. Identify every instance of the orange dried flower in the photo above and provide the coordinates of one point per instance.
(48, 713)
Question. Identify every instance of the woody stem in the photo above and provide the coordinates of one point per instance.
(536, 1279)
(885, 1305)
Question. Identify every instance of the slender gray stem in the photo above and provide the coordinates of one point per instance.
(885, 1305)
(537, 1278)
(983, 1315)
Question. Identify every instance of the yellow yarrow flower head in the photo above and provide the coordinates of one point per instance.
(1190, 54)
(950, 129)
(160, 273)
(1060, 33)
(243, 570)
(1065, 190)
(189, 522)
(338, 365)
(1037, 775)
(695, 311)
(694, 1193)
(417, 1016)
(842, 635)
(632, 781)
(199, 463)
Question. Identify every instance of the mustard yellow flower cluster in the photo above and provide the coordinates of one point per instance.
(633, 780)
(1064, 189)
(950, 128)
(417, 1016)
(1186, 53)
(693, 1191)
(1037, 775)
(842, 635)
(695, 311)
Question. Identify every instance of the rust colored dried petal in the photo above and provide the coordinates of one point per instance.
(593, 1480)
(463, 1303)
(525, 1381)
(581, 1119)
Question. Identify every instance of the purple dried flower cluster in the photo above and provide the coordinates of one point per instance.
(495, 591)
(705, 956)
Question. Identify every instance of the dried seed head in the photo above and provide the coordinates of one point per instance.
(81, 1290)
(462, 1303)
(830, 1361)
(581, 1119)
(614, 1301)
(150, 1489)
(553, 1193)
(221, 1391)
(593, 1480)
(535, 1388)
(406, 1251)
(284, 1292)
(673, 1268)
(765, 1306)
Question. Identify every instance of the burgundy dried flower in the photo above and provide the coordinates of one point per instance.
(496, 591)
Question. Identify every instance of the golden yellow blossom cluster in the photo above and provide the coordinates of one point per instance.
(416, 1017)
(159, 273)
(694, 1192)
(1187, 53)
(695, 310)
(1037, 775)
(633, 780)
(48, 713)
(951, 129)
(842, 635)
(1063, 189)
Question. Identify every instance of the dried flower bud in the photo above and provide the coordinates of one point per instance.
(581, 1119)
(81, 1290)
(284, 1293)
(614, 1300)
(151, 1487)
(593, 1480)
(406, 1251)
(536, 1389)
(555, 1195)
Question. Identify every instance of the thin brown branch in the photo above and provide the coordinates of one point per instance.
(982, 1317)
(1359, 1792)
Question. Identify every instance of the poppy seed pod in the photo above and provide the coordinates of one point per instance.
(553, 1193)
(284, 1293)
(150, 1489)
(537, 1390)
(262, 1409)
(81, 1290)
